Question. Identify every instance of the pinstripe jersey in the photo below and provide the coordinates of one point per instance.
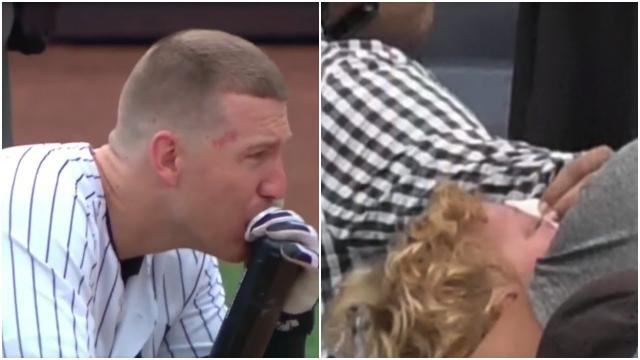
(63, 292)
(390, 133)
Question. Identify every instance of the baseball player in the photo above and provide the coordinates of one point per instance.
(110, 251)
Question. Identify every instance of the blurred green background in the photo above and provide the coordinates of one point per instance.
(231, 276)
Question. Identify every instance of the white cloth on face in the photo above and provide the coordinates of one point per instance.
(528, 206)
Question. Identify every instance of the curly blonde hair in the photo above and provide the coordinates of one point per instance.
(436, 294)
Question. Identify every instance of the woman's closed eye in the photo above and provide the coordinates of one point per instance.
(537, 225)
(532, 225)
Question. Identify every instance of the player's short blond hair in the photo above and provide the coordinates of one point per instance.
(435, 295)
(174, 85)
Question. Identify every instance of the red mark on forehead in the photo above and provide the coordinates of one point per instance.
(228, 138)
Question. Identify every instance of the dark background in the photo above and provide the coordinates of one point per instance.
(560, 75)
(144, 22)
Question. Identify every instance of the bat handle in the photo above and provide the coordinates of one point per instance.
(253, 316)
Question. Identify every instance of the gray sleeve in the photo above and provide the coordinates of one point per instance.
(598, 235)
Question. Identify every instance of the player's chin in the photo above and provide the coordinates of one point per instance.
(235, 253)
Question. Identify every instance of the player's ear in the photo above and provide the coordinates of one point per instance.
(164, 157)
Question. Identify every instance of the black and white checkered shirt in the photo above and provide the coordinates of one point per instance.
(390, 133)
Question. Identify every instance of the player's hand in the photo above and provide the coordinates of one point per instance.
(301, 247)
(564, 189)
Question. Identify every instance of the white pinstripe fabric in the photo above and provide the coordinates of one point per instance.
(390, 132)
(63, 291)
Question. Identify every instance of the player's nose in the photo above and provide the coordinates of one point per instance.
(274, 186)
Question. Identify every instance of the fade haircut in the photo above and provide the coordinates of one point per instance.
(175, 83)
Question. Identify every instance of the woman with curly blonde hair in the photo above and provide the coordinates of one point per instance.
(443, 286)
(460, 281)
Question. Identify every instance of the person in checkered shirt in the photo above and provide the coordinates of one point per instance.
(391, 132)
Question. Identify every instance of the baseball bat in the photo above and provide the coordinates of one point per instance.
(253, 316)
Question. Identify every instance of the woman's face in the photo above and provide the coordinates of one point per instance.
(520, 237)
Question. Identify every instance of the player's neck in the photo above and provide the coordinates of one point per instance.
(136, 221)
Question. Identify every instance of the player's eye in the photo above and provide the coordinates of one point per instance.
(258, 154)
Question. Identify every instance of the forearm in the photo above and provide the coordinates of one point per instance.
(505, 169)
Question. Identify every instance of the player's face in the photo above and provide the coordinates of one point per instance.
(520, 237)
(239, 173)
